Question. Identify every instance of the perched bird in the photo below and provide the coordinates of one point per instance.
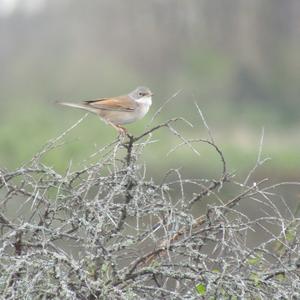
(120, 110)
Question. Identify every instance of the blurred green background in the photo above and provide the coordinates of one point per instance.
(239, 60)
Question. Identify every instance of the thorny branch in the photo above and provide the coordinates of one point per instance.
(108, 231)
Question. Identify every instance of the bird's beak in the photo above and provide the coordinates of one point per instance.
(151, 94)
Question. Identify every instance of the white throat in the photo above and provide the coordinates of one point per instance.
(143, 106)
(147, 101)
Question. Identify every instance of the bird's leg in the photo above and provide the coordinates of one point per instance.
(121, 130)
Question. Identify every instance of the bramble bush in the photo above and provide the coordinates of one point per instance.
(108, 231)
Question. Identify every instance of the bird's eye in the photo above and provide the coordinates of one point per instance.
(141, 94)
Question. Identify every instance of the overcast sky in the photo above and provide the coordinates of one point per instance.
(8, 7)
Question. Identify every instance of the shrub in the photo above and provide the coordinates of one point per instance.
(108, 231)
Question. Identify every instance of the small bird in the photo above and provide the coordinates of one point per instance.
(120, 110)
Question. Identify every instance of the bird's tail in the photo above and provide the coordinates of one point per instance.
(78, 105)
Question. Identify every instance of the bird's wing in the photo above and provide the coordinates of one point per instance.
(121, 103)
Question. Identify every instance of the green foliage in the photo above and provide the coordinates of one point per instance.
(255, 278)
(201, 289)
(254, 260)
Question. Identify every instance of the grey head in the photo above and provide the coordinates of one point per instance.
(140, 92)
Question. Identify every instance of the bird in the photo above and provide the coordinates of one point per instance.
(119, 110)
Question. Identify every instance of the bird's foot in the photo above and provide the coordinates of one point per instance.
(123, 132)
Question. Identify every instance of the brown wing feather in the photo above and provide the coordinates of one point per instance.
(121, 103)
